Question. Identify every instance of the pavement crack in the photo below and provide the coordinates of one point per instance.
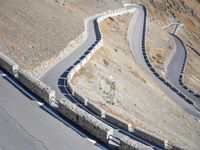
(21, 126)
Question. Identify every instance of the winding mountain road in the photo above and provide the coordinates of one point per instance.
(137, 44)
(55, 77)
(27, 118)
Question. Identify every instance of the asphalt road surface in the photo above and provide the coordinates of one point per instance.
(26, 125)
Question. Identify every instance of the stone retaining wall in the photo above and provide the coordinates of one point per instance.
(127, 143)
(96, 109)
(36, 86)
(86, 121)
(33, 84)
(150, 137)
(9, 65)
(91, 106)
(118, 122)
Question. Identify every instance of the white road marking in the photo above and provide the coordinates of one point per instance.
(3, 74)
(39, 103)
(61, 78)
(92, 141)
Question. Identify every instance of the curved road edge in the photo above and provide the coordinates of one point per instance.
(175, 72)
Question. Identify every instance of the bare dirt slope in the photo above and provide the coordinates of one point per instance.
(137, 99)
(34, 32)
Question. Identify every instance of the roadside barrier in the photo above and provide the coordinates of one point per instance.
(36, 86)
(127, 143)
(150, 137)
(85, 120)
(118, 122)
(33, 84)
(9, 65)
(96, 109)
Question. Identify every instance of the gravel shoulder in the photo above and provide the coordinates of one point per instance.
(137, 98)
